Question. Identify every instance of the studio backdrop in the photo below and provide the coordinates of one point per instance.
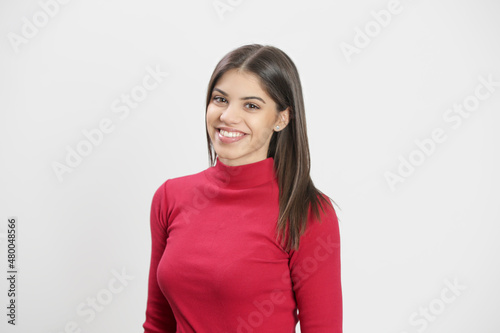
(103, 101)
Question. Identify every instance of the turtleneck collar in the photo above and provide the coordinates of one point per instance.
(242, 176)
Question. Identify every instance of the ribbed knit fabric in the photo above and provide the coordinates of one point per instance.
(216, 265)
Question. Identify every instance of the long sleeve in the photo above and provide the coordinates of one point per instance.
(315, 272)
(159, 316)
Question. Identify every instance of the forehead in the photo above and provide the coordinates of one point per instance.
(240, 83)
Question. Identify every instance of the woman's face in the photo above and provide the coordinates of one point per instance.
(239, 104)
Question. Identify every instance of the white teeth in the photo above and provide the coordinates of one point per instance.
(230, 134)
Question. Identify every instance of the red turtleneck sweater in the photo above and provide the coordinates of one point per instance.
(216, 266)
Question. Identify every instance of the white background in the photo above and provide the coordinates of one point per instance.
(399, 245)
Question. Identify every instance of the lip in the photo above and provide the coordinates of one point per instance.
(224, 139)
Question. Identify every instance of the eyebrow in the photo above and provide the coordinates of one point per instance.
(243, 98)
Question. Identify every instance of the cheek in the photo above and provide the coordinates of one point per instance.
(212, 113)
(260, 130)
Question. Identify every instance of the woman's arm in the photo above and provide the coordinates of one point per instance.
(315, 272)
(159, 316)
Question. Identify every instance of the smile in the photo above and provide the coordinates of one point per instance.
(229, 137)
(230, 134)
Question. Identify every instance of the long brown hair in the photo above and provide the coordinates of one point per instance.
(289, 147)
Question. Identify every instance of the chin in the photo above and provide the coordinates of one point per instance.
(229, 155)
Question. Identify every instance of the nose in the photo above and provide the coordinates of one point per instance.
(230, 115)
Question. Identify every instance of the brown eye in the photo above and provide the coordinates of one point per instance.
(253, 106)
(218, 99)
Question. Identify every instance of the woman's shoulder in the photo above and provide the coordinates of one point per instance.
(322, 230)
(181, 183)
(322, 211)
(326, 202)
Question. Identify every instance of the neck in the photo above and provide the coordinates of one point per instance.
(242, 176)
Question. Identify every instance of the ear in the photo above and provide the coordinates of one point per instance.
(283, 118)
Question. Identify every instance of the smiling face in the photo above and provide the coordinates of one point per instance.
(240, 105)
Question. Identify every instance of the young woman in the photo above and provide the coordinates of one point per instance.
(242, 246)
